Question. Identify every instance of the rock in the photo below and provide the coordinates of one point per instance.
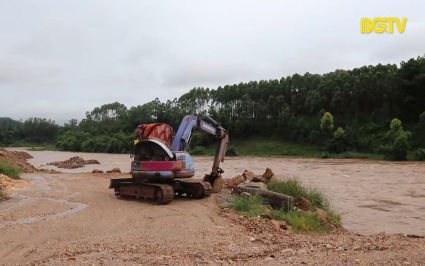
(248, 175)
(268, 173)
(92, 161)
(302, 203)
(329, 246)
(115, 170)
(258, 178)
(266, 216)
(274, 179)
(252, 239)
(322, 215)
(340, 248)
(260, 184)
(245, 194)
(279, 224)
(97, 171)
(235, 181)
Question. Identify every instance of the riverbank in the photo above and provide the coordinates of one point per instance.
(371, 195)
(256, 147)
(78, 219)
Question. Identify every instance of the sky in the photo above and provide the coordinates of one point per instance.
(59, 59)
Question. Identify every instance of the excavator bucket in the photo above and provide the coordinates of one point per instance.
(215, 181)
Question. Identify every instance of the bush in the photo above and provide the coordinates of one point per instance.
(2, 194)
(420, 154)
(199, 150)
(231, 151)
(9, 169)
(398, 142)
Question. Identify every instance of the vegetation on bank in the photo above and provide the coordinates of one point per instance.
(371, 111)
(9, 169)
(3, 194)
(301, 221)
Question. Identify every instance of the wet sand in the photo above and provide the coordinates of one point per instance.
(372, 196)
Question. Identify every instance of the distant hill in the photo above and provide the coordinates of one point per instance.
(8, 121)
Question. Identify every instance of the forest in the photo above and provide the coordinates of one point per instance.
(372, 110)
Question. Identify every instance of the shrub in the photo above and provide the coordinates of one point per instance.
(398, 142)
(199, 150)
(339, 143)
(2, 194)
(420, 154)
(326, 123)
(10, 169)
(231, 151)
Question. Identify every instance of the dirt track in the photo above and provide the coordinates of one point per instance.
(74, 219)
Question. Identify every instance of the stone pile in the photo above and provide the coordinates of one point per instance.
(8, 183)
(74, 162)
(300, 204)
(250, 177)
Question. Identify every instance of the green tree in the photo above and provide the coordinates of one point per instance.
(422, 129)
(397, 142)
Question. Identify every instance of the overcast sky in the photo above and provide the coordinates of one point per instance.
(59, 59)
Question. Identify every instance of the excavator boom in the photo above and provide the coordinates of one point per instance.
(184, 134)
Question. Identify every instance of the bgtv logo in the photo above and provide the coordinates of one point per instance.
(379, 24)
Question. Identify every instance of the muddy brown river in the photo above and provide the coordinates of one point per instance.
(372, 196)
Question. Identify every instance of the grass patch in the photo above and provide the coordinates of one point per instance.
(300, 223)
(307, 222)
(274, 147)
(47, 147)
(35, 146)
(357, 155)
(2, 194)
(249, 206)
(9, 169)
(294, 188)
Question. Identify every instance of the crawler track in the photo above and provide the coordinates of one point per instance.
(156, 193)
(195, 189)
(159, 193)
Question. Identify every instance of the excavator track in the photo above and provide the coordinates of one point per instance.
(156, 193)
(194, 189)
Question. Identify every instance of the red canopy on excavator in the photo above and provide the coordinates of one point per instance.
(156, 131)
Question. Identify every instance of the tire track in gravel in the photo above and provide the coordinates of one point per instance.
(42, 187)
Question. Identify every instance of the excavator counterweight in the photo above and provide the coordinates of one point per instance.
(160, 166)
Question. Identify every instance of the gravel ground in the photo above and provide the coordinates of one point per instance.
(95, 228)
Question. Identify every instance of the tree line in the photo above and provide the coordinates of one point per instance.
(344, 110)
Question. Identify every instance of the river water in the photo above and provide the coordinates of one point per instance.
(372, 196)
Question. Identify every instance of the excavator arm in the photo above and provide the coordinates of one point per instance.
(181, 142)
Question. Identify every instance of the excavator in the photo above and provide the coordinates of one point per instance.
(159, 167)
